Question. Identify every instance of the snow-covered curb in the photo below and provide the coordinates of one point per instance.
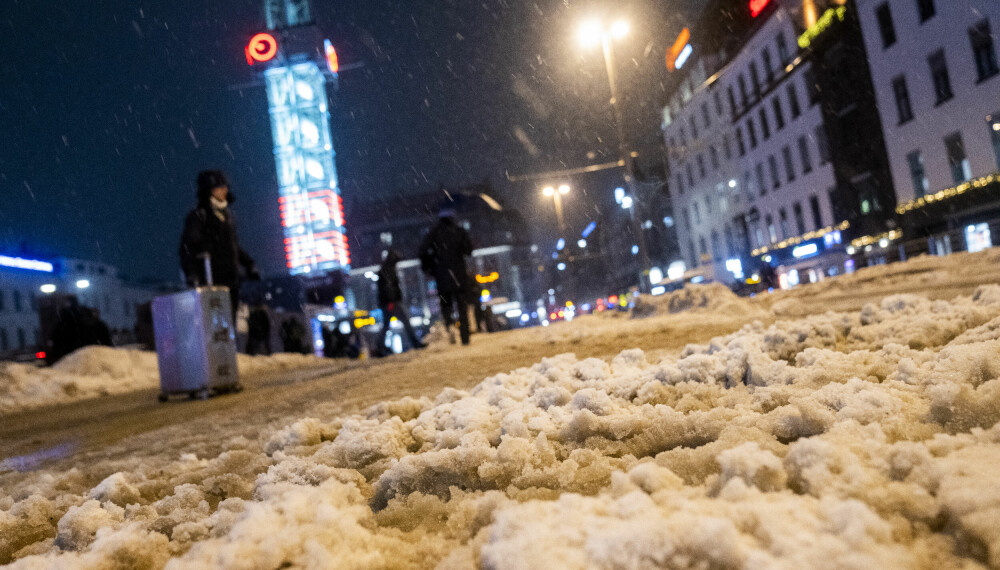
(864, 440)
(97, 371)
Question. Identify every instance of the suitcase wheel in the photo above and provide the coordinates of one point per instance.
(162, 397)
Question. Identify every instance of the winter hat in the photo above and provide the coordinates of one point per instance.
(208, 180)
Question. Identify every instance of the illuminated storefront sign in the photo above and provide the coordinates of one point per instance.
(805, 250)
(674, 54)
(29, 264)
(825, 21)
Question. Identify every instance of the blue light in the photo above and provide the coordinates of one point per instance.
(806, 250)
(683, 57)
(29, 264)
(589, 229)
(561, 244)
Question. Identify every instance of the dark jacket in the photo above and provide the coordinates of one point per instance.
(443, 253)
(204, 233)
(389, 290)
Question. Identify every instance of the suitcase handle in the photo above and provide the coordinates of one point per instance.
(208, 268)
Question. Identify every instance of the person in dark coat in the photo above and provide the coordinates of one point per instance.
(78, 327)
(390, 301)
(259, 331)
(210, 229)
(442, 256)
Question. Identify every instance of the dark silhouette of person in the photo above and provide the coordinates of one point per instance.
(442, 256)
(390, 301)
(259, 331)
(210, 230)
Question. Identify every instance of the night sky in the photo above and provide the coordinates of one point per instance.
(108, 111)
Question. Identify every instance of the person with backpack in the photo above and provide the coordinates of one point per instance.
(390, 301)
(210, 230)
(442, 256)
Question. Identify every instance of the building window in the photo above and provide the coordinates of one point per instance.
(716, 247)
(779, 115)
(761, 180)
(921, 185)
(786, 153)
(22, 339)
(768, 66)
(706, 115)
(697, 212)
(816, 212)
(755, 79)
(982, 49)
(804, 155)
(903, 107)
(939, 73)
(800, 220)
(684, 140)
(744, 98)
(885, 25)
(772, 231)
(961, 171)
(690, 173)
(765, 125)
(739, 142)
(732, 100)
(793, 101)
(752, 130)
(783, 220)
(704, 247)
(994, 125)
(748, 186)
(823, 144)
(772, 161)
(718, 103)
(727, 151)
(783, 53)
(694, 127)
(17, 301)
(708, 206)
(701, 166)
(687, 220)
(713, 156)
(680, 183)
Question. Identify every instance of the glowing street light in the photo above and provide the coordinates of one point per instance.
(556, 195)
(48, 288)
(82, 284)
(619, 29)
(590, 33)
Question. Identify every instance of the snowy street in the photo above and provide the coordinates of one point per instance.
(718, 432)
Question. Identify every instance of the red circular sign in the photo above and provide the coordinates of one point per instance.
(263, 47)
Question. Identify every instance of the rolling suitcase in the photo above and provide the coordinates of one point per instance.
(196, 343)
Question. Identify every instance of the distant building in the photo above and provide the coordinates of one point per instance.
(774, 144)
(937, 80)
(25, 279)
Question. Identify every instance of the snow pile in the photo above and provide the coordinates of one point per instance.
(711, 298)
(97, 371)
(853, 440)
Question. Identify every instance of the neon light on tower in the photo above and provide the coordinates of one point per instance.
(298, 65)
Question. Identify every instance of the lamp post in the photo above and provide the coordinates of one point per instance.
(556, 194)
(590, 32)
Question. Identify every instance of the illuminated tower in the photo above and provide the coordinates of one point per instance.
(297, 64)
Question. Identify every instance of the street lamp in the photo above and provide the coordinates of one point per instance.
(556, 194)
(592, 32)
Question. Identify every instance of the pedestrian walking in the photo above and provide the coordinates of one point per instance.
(210, 231)
(390, 301)
(442, 256)
(259, 331)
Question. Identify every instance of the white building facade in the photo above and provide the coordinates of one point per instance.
(750, 162)
(24, 280)
(937, 81)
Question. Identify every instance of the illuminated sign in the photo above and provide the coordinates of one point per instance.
(674, 53)
(805, 250)
(262, 47)
(331, 57)
(484, 279)
(821, 25)
(757, 6)
(312, 212)
(589, 229)
(683, 57)
(29, 264)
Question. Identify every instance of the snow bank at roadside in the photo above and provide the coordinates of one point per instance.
(97, 371)
(711, 298)
(859, 440)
